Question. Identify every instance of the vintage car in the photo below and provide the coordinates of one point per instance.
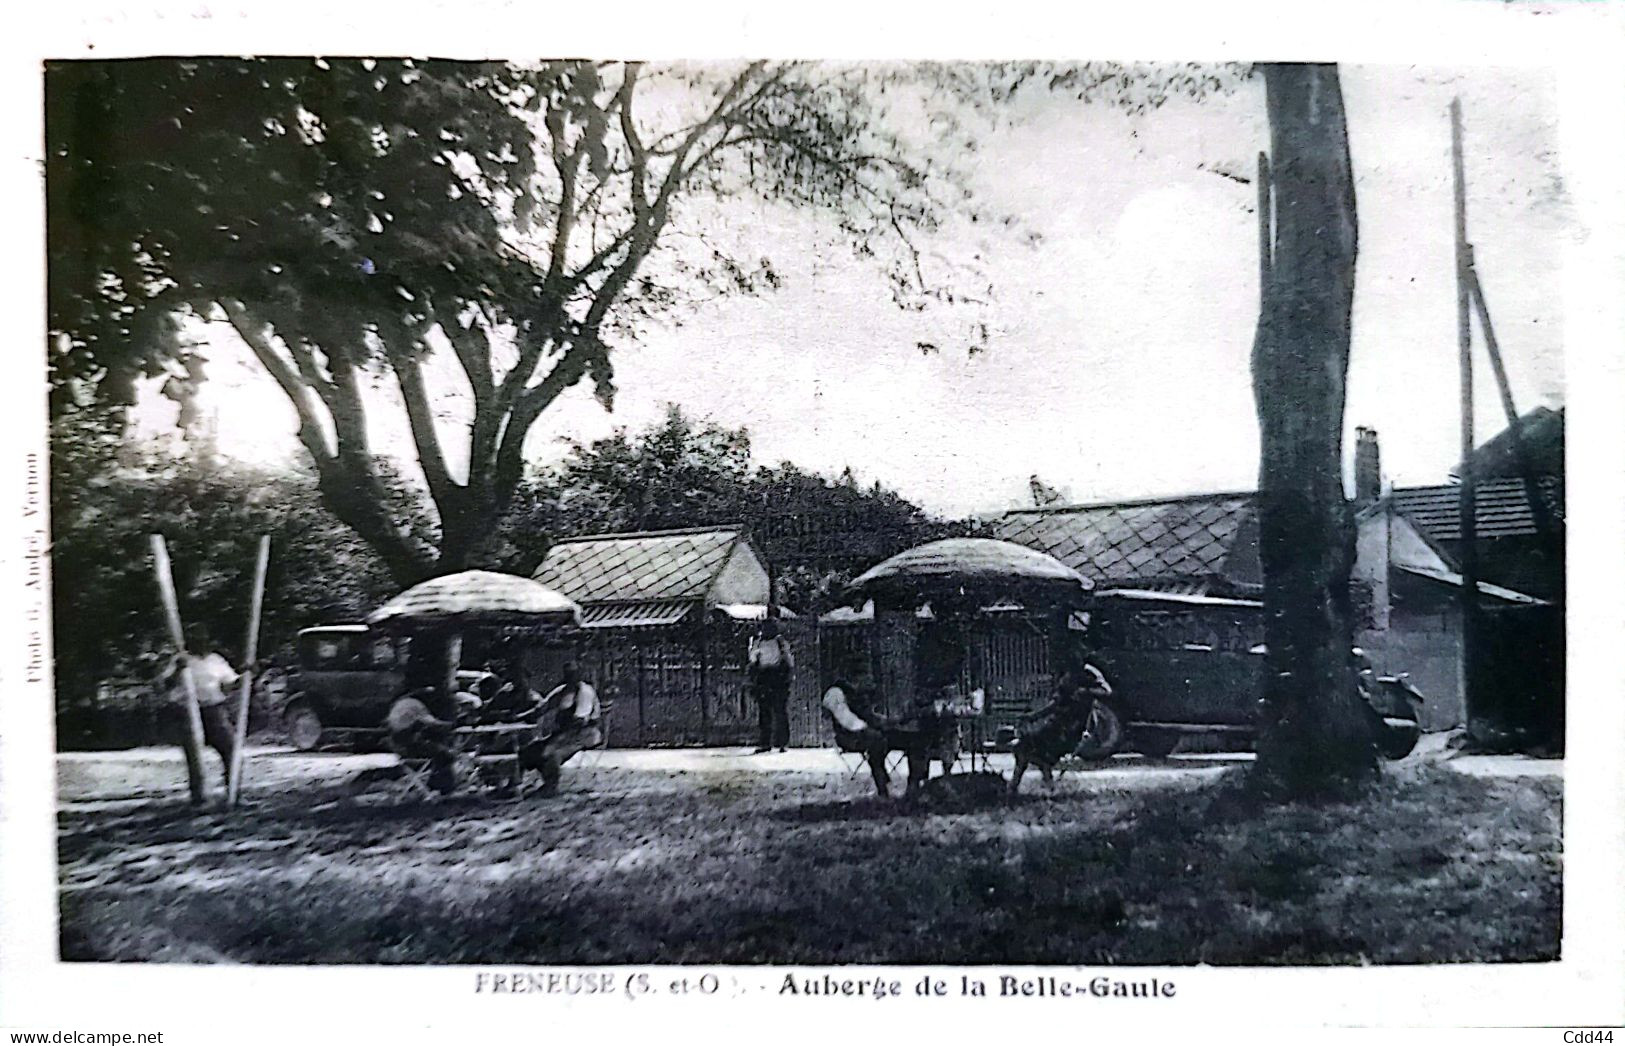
(1139, 717)
(1186, 667)
(343, 682)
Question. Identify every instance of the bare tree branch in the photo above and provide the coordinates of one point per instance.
(639, 167)
(510, 460)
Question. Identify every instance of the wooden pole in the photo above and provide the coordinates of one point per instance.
(1266, 229)
(1467, 501)
(192, 739)
(1520, 450)
(765, 549)
(234, 776)
(454, 661)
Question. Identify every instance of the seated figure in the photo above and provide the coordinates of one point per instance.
(1052, 732)
(571, 723)
(416, 732)
(925, 733)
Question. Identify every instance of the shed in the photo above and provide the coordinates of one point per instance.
(667, 618)
(657, 578)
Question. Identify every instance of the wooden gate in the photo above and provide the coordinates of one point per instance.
(1010, 659)
(809, 726)
(687, 687)
(730, 710)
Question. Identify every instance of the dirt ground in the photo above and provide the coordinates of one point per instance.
(694, 857)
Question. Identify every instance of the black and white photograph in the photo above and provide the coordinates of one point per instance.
(1072, 524)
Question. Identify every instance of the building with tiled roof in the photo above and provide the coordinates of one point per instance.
(1204, 547)
(1503, 508)
(656, 578)
(1512, 551)
(667, 620)
(1201, 544)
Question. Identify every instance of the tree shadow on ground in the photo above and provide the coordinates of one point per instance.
(1414, 872)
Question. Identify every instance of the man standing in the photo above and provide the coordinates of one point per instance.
(212, 676)
(573, 707)
(770, 666)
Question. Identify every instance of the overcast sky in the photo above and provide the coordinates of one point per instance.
(1118, 365)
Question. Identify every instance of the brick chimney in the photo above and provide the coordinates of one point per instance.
(1367, 466)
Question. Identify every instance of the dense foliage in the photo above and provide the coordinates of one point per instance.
(108, 496)
(816, 532)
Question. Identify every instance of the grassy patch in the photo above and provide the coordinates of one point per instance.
(1430, 866)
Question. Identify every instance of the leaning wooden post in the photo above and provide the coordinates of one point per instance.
(234, 775)
(192, 739)
(1520, 451)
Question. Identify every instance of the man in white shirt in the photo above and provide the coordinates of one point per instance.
(573, 708)
(769, 665)
(415, 732)
(849, 702)
(212, 678)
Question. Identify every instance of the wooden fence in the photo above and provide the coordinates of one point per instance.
(673, 687)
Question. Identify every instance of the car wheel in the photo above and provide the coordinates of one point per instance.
(1158, 744)
(1103, 735)
(303, 725)
(1398, 738)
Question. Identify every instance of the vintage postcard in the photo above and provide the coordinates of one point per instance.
(1043, 528)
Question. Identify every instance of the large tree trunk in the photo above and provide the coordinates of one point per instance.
(1318, 735)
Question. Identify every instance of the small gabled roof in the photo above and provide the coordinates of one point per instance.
(1502, 508)
(1200, 543)
(643, 567)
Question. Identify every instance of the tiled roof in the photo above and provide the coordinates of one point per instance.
(628, 568)
(1195, 544)
(1503, 508)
